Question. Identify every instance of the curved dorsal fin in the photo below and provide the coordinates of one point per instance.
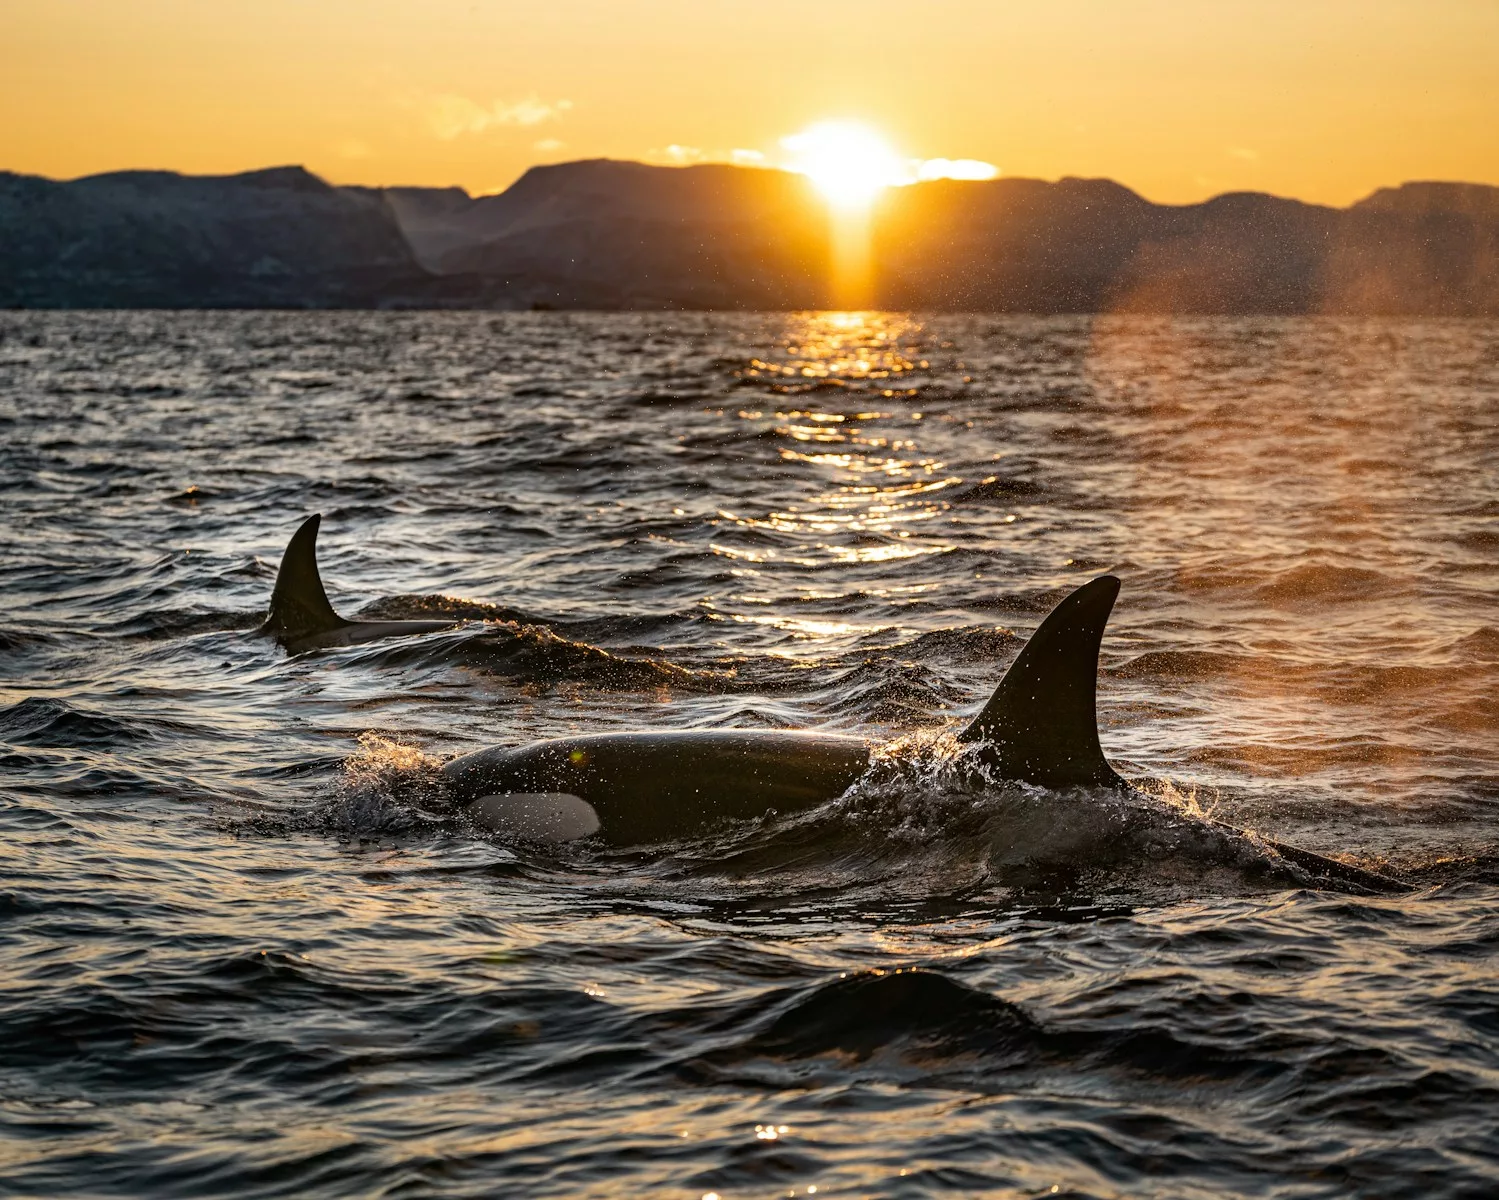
(1040, 722)
(299, 605)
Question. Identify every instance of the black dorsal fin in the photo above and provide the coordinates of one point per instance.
(1040, 723)
(299, 605)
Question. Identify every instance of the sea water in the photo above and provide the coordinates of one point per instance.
(247, 948)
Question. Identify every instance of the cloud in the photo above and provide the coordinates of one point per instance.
(675, 155)
(1243, 153)
(896, 171)
(352, 148)
(547, 145)
(955, 168)
(452, 116)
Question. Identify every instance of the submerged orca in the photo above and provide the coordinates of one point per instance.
(1039, 727)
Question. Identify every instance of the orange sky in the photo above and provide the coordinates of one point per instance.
(1180, 99)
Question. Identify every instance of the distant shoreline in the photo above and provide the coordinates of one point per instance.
(607, 236)
(912, 313)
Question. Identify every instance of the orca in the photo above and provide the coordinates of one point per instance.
(1038, 727)
(302, 619)
(632, 789)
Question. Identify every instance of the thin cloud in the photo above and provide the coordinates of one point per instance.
(453, 116)
(675, 155)
(955, 168)
(902, 172)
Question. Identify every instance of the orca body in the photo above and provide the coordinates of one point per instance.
(656, 787)
(1039, 727)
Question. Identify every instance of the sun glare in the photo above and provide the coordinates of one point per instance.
(848, 163)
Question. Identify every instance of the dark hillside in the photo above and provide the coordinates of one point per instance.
(606, 234)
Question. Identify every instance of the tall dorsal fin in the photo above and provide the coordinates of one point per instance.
(299, 605)
(1040, 723)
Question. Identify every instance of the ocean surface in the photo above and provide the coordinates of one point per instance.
(247, 948)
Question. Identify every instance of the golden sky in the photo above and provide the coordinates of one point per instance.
(1180, 99)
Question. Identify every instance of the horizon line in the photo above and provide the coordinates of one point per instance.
(733, 166)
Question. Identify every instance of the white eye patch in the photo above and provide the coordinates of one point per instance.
(540, 816)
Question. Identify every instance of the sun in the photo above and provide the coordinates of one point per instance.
(847, 162)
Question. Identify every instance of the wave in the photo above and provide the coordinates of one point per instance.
(1321, 583)
(39, 721)
(885, 692)
(1188, 664)
(24, 641)
(534, 654)
(164, 624)
(435, 605)
(1482, 644)
(918, 1012)
(996, 489)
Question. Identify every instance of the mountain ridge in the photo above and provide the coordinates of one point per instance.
(608, 233)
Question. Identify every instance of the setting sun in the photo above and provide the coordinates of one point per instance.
(848, 162)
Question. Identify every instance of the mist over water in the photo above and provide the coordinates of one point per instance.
(247, 948)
